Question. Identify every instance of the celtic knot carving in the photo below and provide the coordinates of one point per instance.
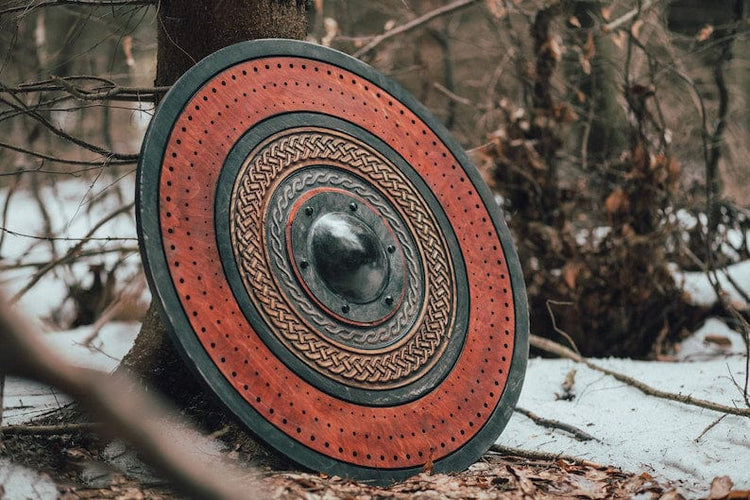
(391, 366)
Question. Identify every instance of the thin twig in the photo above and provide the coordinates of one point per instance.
(99, 163)
(72, 251)
(73, 258)
(48, 430)
(562, 332)
(107, 90)
(6, 206)
(710, 426)
(537, 455)
(629, 15)
(577, 433)
(2, 401)
(64, 238)
(21, 107)
(414, 23)
(562, 351)
(452, 96)
(29, 6)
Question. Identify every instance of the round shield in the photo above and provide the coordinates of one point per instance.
(331, 263)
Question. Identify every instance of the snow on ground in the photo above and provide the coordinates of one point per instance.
(697, 285)
(638, 432)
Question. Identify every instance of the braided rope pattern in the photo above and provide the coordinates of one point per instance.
(382, 368)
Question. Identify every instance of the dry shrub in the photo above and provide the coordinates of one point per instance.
(593, 249)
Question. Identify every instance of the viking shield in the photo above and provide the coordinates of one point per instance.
(330, 263)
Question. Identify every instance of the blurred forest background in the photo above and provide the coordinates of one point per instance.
(614, 134)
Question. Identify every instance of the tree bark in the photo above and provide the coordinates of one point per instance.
(189, 30)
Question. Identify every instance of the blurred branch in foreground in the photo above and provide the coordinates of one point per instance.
(123, 410)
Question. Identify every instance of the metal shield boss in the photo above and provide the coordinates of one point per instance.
(330, 262)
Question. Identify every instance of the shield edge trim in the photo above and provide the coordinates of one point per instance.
(192, 350)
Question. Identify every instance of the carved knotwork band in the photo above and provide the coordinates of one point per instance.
(314, 342)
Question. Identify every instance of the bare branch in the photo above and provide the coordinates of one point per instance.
(629, 15)
(47, 430)
(71, 252)
(414, 23)
(562, 351)
(108, 90)
(66, 161)
(73, 258)
(577, 433)
(61, 133)
(81, 3)
(536, 455)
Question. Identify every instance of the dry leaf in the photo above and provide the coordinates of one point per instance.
(617, 202)
(618, 38)
(635, 29)
(127, 49)
(570, 381)
(606, 13)
(585, 65)
(573, 21)
(589, 48)
(671, 495)
(704, 33)
(570, 273)
(332, 29)
(496, 8)
(720, 487)
(719, 340)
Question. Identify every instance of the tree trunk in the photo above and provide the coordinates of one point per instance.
(592, 72)
(189, 30)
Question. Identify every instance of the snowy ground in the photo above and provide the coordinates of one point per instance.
(635, 432)
(642, 433)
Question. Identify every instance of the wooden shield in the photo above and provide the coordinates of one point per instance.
(330, 263)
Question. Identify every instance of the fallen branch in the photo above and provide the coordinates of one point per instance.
(562, 351)
(48, 430)
(538, 455)
(577, 433)
(414, 23)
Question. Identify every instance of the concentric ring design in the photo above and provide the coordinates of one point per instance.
(447, 406)
(432, 320)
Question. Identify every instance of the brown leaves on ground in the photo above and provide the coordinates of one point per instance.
(722, 488)
(493, 477)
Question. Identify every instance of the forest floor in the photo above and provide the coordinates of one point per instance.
(71, 470)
